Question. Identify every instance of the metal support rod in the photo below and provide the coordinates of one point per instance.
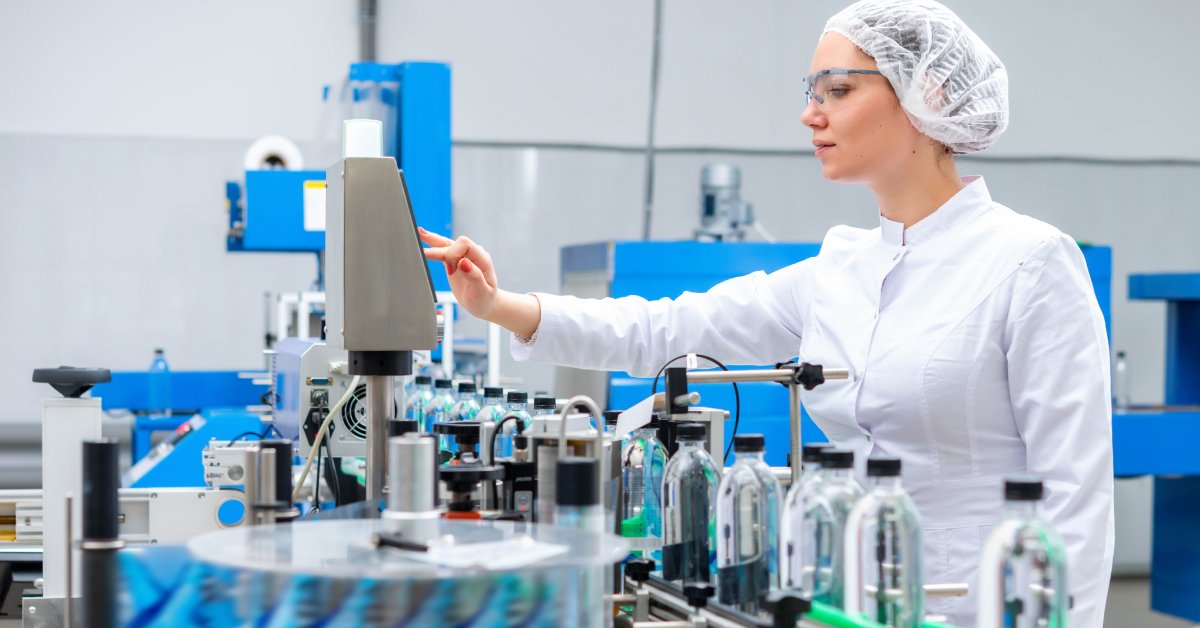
(764, 375)
(70, 499)
(794, 417)
(587, 403)
(381, 408)
(265, 491)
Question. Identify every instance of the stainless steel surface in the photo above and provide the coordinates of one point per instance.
(378, 292)
(381, 408)
(410, 473)
(44, 613)
(266, 486)
(547, 459)
(253, 494)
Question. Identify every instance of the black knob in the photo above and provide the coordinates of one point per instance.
(786, 608)
(638, 569)
(697, 592)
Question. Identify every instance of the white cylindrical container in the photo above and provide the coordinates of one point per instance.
(362, 138)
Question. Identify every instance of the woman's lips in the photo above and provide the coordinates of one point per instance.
(821, 150)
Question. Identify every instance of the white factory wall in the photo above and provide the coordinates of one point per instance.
(120, 123)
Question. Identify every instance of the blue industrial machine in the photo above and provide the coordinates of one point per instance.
(413, 101)
(655, 270)
(1162, 442)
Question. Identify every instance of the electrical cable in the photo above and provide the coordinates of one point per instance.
(244, 435)
(337, 407)
(317, 485)
(737, 398)
(500, 428)
(331, 469)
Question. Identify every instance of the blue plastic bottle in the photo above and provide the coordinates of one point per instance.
(159, 402)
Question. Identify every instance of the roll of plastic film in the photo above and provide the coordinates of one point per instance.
(362, 138)
(273, 152)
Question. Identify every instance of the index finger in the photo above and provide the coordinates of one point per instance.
(433, 239)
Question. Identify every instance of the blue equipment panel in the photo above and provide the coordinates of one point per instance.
(1171, 435)
(190, 391)
(655, 270)
(274, 212)
(179, 460)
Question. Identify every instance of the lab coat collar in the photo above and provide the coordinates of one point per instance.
(972, 198)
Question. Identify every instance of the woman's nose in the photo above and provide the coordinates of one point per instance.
(812, 117)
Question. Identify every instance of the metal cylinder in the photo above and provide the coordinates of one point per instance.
(381, 408)
(265, 507)
(411, 464)
(547, 465)
(99, 541)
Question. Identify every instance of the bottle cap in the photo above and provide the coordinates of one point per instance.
(518, 397)
(466, 387)
(883, 467)
(158, 351)
(1023, 488)
(691, 432)
(443, 383)
(424, 380)
(749, 443)
(610, 416)
(545, 403)
(837, 459)
(812, 452)
(493, 391)
(575, 479)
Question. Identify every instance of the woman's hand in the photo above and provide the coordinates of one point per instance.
(473, 281)
(469, 268)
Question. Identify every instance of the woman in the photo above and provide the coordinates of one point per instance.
(976, 346)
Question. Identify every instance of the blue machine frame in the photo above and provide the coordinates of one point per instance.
(666, 269)
(416, 98)
(1163, 441)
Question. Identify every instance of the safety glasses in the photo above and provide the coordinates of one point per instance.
(828, 87)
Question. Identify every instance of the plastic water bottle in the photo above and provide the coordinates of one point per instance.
(443, 400)
(1121, 384)
(1023, 569)
(543, 406)
(690, 508)
(837, 494)
(160, 385)
(417, 404)
(884, 571)
(643, 460)
(747, 532)
(516, 403)
(798, 538)
(466, 407)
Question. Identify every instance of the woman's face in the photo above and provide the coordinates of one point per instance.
(861, 133)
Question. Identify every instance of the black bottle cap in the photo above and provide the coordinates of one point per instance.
(493, 391)
(690, 432)
(837, 459)
(466, 387)
(749, 443)
(883, 467)
(610, 416)
(399, 427)
(787, 607)
(424, 380)
(1023, 488)
(443, 383)
(812, 452)
(520, 442)
(518, 397)
(638, 569)
(466, 432)
(697, 592)
(576, 479)
(545, 403)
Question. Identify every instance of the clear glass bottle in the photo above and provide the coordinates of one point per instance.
(884, 566)
(643, 460)
(1023, 568)
(747, 527)
(690, 508)
(825, 523)
(160, 385)
(798, 550)
(1121, 384)
(417, 404)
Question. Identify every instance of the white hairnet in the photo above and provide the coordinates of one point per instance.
(953, 87)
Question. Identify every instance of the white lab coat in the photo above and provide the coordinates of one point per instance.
(976, 349)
